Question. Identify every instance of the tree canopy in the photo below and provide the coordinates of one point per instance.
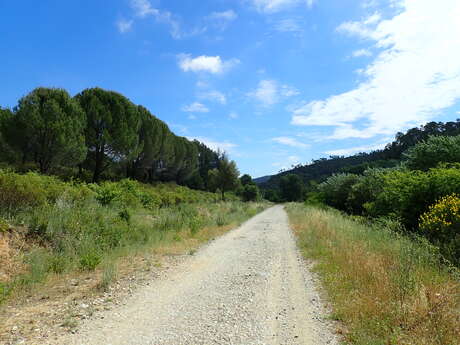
(101, 135)
(51, 125)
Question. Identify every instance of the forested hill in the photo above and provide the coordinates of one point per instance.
(319, 170)
(98, 135)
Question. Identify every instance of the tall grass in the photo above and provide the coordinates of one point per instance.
(385, 288)
(71, 226)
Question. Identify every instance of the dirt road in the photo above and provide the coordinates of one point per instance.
(247, 287)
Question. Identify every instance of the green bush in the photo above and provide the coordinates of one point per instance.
(336, 190)
(441, 223)
(407, 194)
(90, 260)
(437, 149)
(250, 192)
(366, 189)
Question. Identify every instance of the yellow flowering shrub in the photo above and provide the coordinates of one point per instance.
(441, 223)
(443, 217)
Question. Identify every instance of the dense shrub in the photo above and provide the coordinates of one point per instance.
(441, 223)
(365, 190)
(337, 188)
(19, 192)
(291, 188)
(250, 192)
(407, 194)
(437, 149)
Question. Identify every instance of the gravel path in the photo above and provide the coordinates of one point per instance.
(248, 287)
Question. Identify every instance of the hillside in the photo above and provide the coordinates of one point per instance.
(319, 170)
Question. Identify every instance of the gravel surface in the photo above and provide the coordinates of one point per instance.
(248, 287)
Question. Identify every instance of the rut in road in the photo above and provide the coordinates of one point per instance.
(248, 287)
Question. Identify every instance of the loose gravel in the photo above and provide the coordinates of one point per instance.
(249, 287)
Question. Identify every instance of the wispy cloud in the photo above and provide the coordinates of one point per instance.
(204, 63)
(213, 95)
(362, 52)
(233, 115)
(145, 9)
(356, 149)
(414, 77)
(287, 162)
(222, 19)
(290, 25)
(124, 25)
(195, 107)
(272, 6)
(270, 92)
(289, 141)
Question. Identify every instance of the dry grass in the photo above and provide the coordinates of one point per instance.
(385, 288)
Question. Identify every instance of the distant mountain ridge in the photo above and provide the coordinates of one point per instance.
(262, 179)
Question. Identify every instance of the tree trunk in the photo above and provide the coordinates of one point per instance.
(223, 194)
(97, 167)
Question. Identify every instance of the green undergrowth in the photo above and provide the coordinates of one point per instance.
(384, 287)
(80, 227)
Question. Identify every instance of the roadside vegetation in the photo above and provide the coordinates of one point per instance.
(385, 287)
(419, 188)
(50, 227)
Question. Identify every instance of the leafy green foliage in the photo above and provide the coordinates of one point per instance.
(246, 179)
(112, 127)
(437, 149)
(250, 192)
(224, 178)
(337, 188)
(441, 223)
(291, 188)
(50, 124)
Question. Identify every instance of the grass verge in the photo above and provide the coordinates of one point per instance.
(385, 288)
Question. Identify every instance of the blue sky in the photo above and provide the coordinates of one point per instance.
(272, 82)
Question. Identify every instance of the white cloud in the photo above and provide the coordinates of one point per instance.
(195, 107)
(266, 93)
(414, 77)
(221, 20)
(226, 16)
(362, 52)
(352, 150)
(290, 25)
(124, 25)
(192, 117)
(290, 142)
(143, 8)
(269, 92)
(272, 6)
(288, 91)
(287, 163)
(233, 115)
(204, 63)
(213, 95)
(364, 29)
(225, 146)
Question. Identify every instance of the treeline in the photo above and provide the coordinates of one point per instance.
(320, 169)
(100, 135)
